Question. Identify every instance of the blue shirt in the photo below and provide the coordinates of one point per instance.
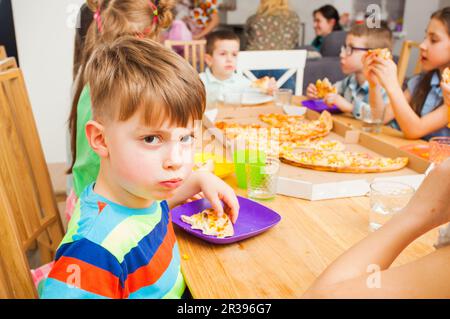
(356, 94)
(432, 102)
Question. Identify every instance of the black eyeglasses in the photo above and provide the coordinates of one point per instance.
(348, 50)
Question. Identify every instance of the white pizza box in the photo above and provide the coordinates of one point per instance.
(318, 185)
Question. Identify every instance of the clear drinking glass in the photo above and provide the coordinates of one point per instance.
(439, 149)
(262, 179)
(372, 120)
(282, 97)
(386, 199)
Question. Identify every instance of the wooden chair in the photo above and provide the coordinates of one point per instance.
(7, 64)
(3, 54)
(403, 61)
(28, 209)
(292, 60)
(193, 51)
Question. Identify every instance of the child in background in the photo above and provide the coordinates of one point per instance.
(120, 242)
(353, 91)
(112, 19)
(220, 77)
(419, 111)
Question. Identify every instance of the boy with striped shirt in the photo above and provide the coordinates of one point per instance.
(120, 241)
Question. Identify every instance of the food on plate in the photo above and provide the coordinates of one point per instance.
(446, 76)
(263, 84)
(324, 87)
(343, 162)
(210, 223)
(382, 53)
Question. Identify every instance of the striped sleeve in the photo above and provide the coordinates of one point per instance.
(84, 270)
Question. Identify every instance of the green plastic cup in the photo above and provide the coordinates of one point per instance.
(242, 158)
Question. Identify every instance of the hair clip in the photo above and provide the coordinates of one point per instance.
(155, 11)
(98, 19)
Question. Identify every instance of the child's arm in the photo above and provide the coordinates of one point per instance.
(352, 274)
(376, 100)
(213, 188)
(339, 101)
(412, 125)
(84, 270)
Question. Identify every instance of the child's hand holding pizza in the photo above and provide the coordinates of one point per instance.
(311, 91)
(217, 191)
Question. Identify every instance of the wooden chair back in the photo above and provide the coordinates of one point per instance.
(25, 185)
(193, 51)
(3, 54)
(8, 63)
(403, 61)
(292, 60)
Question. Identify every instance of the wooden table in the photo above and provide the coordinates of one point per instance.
(284, 261)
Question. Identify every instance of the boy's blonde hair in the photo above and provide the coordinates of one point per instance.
(132, 74)
(376, 38)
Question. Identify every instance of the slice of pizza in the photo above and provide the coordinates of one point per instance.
(319, 144)
(210, 223)
(262, 84)
(343, 162)
(446, 76)
(324, 87)
(382, 53)
(281, 120)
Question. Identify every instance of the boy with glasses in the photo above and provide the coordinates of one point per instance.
(353, 91)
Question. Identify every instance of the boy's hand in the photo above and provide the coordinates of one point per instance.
(446, 92)
(311, 91)
(367, 70)
(339, 101)
(216, 190)
(272, 86)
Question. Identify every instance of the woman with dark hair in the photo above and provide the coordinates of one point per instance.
(326, 20)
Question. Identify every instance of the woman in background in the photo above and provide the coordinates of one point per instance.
(274, 27)
(326, 20)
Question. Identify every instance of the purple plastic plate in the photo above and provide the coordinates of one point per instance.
(320, 106)
(253, 219)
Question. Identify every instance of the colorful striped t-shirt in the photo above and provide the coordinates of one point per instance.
(112, 251)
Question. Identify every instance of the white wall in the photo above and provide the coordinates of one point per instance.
(45, 34)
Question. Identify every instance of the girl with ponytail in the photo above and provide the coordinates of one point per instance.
(111, 20)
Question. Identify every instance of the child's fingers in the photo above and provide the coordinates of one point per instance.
(216, 204)
(232, 205)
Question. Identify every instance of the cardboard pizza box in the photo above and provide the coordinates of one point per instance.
(317, 185)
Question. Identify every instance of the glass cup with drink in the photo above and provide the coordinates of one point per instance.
(372, 119)
(282, 97)
(386, 199)
(439, 149)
